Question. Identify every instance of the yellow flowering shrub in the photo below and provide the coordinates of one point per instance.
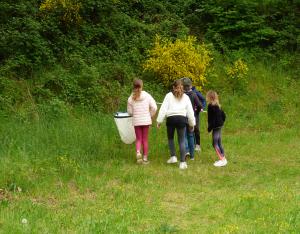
(172, 60)
(236, 74)
(68, 8)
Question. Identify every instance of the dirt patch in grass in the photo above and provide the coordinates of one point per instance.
(5, 195)
(49, 201)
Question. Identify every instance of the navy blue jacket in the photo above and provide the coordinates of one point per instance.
(196, 103)
(200, 96)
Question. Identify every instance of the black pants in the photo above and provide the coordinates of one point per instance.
(178, 123)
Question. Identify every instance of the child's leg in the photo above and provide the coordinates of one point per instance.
(145, 131)
(216, 137)
(197, 129)
(180, 136)
(186, 142)
(139, 136)
(220, 144)
(191, 142)
(170, 132)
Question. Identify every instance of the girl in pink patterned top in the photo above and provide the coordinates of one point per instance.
(142, 107)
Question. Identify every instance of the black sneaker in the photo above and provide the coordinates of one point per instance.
(187, 155)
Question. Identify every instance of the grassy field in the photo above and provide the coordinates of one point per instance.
(74, 175)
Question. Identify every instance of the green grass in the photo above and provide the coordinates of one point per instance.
(74, 175)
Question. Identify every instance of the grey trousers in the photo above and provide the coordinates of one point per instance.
(181, 138)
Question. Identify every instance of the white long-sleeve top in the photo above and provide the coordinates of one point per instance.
(142, 109)
(173, 106)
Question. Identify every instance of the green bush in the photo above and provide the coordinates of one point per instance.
(23, 49)
(78, 51)
(233, 24)
(54, 109)
(12, 94)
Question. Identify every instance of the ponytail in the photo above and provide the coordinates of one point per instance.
(137, 89)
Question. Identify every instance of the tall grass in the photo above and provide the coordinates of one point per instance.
(73, 174)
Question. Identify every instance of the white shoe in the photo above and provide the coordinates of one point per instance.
(197, 148)
(145, 161)
(173, 159)
(139, 158)
(182, 165)
(220, 163)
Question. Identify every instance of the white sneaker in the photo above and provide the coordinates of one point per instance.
(182, 165)
(139, 158)
(197, 148)
(173, 159)
(145, 161)
(220, 163)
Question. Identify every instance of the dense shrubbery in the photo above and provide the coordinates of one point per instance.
(234, 24)
(77, 52)
(236, 75)
(171, 60)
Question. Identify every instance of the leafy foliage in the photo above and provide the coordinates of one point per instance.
(234, 24)
(93, 42)
(172, 60)
(68, 9)
(236, 74)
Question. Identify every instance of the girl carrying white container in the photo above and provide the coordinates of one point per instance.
(142, 107)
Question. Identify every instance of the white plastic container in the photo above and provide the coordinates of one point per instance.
(124, 124)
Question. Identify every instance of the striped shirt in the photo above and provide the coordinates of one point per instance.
(142, 109)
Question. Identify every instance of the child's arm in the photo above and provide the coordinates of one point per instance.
(163, 110)
(129, 106)
(153, 106)
(209, 118)
(197, 103)
(202, 99)
(223, 115)
(190, 114)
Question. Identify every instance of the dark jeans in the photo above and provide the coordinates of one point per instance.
(217, 142)
(197, 128)
(189, 142)
(180, 135)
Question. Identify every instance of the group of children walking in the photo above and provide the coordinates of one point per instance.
(181, 108)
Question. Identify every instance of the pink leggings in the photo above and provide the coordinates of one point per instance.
(141, 133)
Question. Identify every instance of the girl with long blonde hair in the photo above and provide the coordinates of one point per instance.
(216, 118)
